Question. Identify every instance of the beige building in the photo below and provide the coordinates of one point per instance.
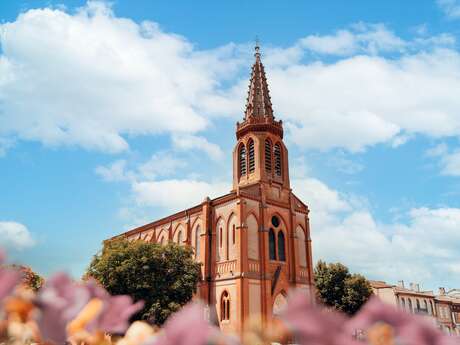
(448, 311)
(443, 309)
(411, 299)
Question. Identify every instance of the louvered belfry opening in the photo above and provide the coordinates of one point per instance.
(242, 160)
(268, 156)
(277, 153)
(252, 162)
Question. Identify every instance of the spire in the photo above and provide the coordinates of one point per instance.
(258, 116)
(258, 101)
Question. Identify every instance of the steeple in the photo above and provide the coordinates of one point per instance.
(258, 116)
(258, 102)
(260, 155)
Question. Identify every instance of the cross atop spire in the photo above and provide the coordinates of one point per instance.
(258, 102)
(257, 48)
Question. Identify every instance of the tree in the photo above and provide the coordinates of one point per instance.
(338, 288)
(164, 277)
(30, 279)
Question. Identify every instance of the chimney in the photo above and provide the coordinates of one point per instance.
(401, 284)
(417, 287)
(442, 291)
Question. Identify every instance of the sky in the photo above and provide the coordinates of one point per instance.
(113, 114)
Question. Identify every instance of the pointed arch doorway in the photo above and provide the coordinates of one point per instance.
(279, 304)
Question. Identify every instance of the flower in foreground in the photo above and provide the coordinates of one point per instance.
(188, 327)
(384, 321)
(72, 309)
(313, 324)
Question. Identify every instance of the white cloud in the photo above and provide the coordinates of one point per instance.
(400, 139)
(91, 78)
(150, 189)
(114, 172)
(344, 165)
(15, 235)
(319, 196)
(451, 164)
(371, 39)
(438, 150)
(158, 165)
(190, 142)
(423, 249)
(5, 144)
(362, 101)
(161, 164)
(450, 7)
(362, 38)
(448, 160)
(175, 195)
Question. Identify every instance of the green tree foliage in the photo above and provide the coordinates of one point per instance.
(30, 279)
(164, 277)
(337, 287)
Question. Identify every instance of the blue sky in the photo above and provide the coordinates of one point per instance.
(114, 114)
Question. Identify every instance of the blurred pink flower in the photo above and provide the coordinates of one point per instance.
(61, 300)
(115, 315)
(313, 324)
(376, 311)
(187, 327)
(411, 329)
(9, 279)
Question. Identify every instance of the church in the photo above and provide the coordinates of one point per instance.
(254, 242)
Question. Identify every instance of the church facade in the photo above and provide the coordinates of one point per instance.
(254, 242)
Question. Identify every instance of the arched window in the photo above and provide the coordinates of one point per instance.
(162, 240)
(252, 161)
(403, 303)
(242, 160)
(302, 250)
(410, 305)
(418, 304)
(197, 242)
(220, 254)
(268, 156)
(432, 308)
(281, 248)
(225, 306)
(271, 245)
(233, 234)
(278, 165)
(252, 237)
(179, 237)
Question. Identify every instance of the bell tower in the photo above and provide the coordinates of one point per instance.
(260, 154)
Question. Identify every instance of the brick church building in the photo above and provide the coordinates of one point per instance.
(254, 242)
